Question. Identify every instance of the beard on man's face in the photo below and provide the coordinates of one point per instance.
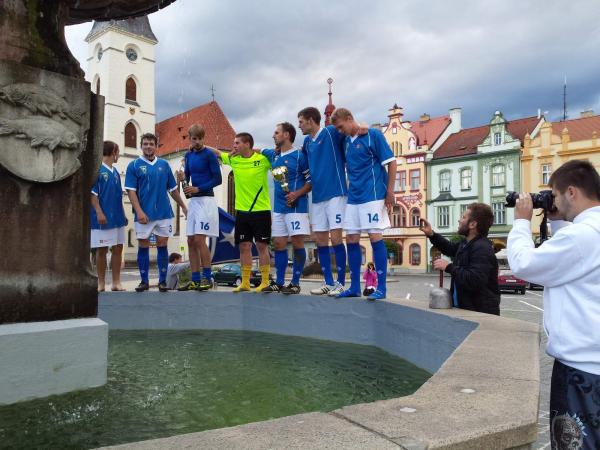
(463, 229)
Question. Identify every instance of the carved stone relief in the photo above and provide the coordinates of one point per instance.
(43, 123)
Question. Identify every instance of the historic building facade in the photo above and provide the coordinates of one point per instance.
(556, 143)
(121, 68)
(411, 142)
(478, 164)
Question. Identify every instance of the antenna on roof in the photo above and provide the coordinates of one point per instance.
(212, 92)
(565, 99)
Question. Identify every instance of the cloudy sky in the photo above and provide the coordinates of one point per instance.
(269, 59)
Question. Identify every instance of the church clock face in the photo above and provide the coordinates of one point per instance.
(131, 54)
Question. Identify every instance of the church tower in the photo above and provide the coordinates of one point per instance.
(121, 68)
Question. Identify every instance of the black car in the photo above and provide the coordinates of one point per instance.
(231, 274)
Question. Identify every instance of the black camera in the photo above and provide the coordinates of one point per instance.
(542, 200)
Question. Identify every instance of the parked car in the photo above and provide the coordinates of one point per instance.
(506, 280)
(231, 275)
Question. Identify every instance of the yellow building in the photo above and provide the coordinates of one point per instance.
(555, 144)
(410, 142)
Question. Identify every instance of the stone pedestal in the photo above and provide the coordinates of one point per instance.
(49, 158)
(46, 358)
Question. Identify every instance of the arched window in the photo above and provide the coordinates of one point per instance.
(230, 194)
(130, 90)
(415, 254)
(415, 217)
(98, 86)
(402, 217)
(130, 135)
(395, 217)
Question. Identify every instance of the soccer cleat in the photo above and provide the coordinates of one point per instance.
(204, 285)
(162, 287)
(290, 289)
(377, 295)
(323, 290)
(143, 286)
(189, 286)
(272, 287)
(348, 293)
(337, 290)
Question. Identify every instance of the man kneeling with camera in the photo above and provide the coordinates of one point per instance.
(568, 266)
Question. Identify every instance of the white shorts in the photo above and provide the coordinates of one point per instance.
(328, 215)
(107, 238)
(291, 224)
(370, 217)
(163, 228)
(203, 217)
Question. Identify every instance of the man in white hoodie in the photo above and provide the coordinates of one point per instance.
(568, 266)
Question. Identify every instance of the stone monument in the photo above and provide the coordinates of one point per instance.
(50, 151)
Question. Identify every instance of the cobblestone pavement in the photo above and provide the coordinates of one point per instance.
(416, 287)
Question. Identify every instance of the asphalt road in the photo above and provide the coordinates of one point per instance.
(526, 307)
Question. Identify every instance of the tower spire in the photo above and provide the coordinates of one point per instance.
(330, 106)
(565, 99)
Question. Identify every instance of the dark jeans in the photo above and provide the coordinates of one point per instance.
(574, 409)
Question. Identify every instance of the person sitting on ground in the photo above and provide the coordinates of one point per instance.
(176, 266)
(370, 277)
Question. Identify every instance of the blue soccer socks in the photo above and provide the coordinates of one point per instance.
(143, 260)
(162, 260)
(325, 261)
(298, 266)
(380, 260)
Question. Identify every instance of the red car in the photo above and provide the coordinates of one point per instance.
(508, 282)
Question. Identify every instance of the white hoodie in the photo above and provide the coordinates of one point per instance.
(568, 266)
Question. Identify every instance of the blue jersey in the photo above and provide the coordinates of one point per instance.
(327, 165)
(297, 176)
(202, 168)
(110, 195)
(366, 157)
(151, 181)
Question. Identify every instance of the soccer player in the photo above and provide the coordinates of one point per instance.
(203, 173)
(253, 207)
(148, 180)
(290, 212)
(323, 147)
(107, 217)
(370, 194)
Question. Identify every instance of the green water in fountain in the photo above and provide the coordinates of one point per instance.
(163, 383)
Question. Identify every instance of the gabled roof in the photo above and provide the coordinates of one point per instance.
(579, 129)
(429, 131)
(465, 142)
(172, 132)
(140, 26)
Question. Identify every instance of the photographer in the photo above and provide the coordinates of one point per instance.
(474, 267)
(568, 266)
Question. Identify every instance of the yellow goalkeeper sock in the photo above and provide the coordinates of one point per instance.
(264, 281)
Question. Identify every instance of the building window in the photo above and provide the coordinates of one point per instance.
(443, 216)
(130, 135)
(415, 217)
(497, 139)
(415, 180)
(130, 90)
(395, 217)
(498, 175)
(412, 144)
(415, 254)
(98, 86)
(230, 194)
(546, 172)
(499, 216)
(402, 217)
(402, 180)
(445, 181)
(466, 178)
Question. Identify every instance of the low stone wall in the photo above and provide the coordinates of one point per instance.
(483, 394)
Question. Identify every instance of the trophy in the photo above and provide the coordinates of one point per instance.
(184, 182)
(280, 174)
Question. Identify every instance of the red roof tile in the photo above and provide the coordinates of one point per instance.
(579, 129)
(465, 142)
(172, 132)
(428, 132)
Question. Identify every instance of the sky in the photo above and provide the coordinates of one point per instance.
(269, 59)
